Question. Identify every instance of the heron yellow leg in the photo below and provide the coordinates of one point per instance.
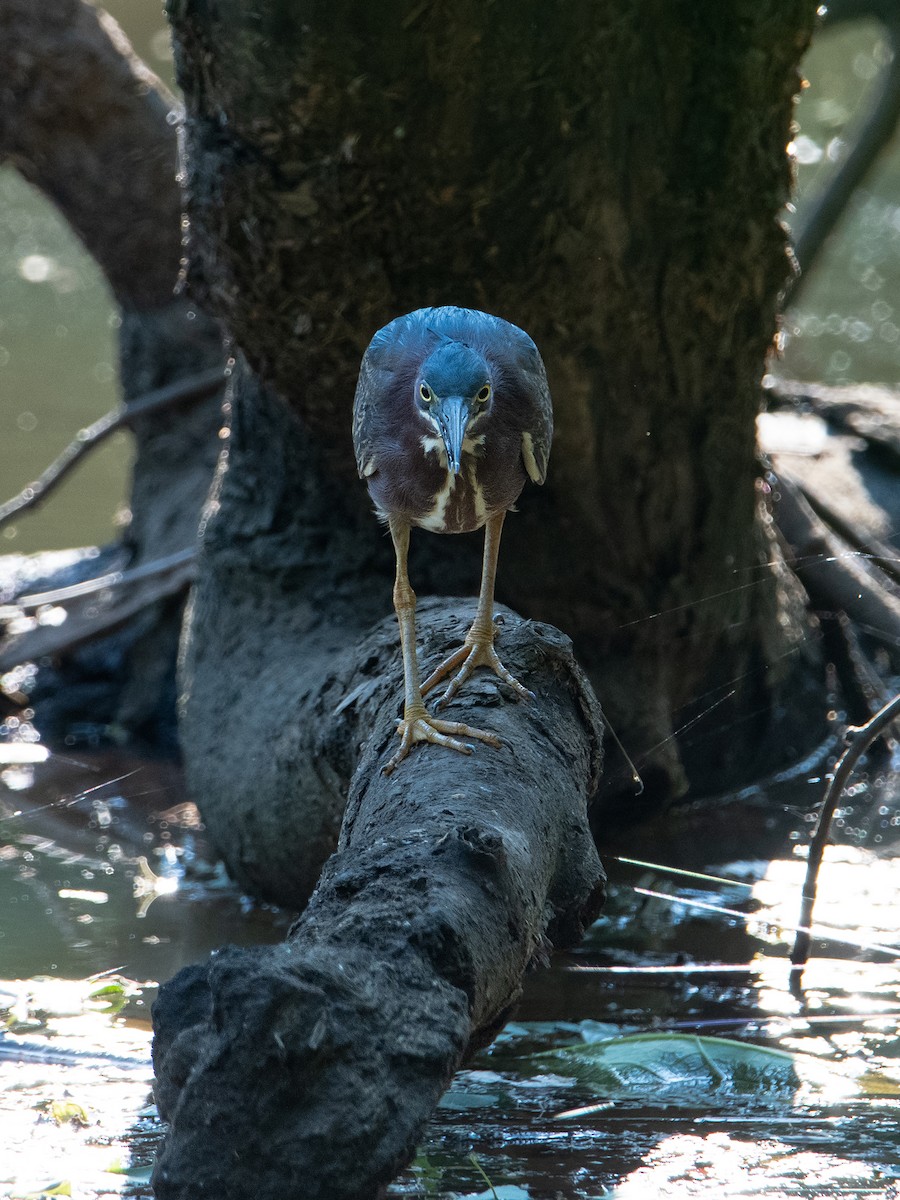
(417, 724)
(478, 648)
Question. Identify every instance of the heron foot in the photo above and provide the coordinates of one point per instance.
(476, 651)
(422, 727)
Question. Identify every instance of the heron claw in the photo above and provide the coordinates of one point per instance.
(476, 651)
(421, 727)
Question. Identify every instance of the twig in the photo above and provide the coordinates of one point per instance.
(97, 607)
(185, 392)
(113, 579)
(859, 738)
(870, 548)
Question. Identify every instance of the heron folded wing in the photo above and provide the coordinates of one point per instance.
(367, 391)
(535, 458)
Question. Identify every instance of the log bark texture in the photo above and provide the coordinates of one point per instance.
(310, 1068)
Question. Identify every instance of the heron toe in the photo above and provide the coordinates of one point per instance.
(477, 651)
(422, 727)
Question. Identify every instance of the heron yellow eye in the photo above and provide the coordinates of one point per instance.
(425, 392)
(484, 393)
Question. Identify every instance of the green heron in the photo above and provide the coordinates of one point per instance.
(452, 413)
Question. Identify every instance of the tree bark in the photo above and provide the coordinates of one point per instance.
(609, 178)
(87, 123)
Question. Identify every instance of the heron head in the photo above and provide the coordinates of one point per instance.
(453, 388)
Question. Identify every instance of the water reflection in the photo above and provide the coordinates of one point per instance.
(844, 328)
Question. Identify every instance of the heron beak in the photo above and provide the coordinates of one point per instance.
(453, 417)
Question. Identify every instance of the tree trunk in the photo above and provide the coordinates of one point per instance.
(609, 178)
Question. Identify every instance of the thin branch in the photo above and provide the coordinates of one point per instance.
(96, 607)
(859, 738)
(110, 581)
(182, 394)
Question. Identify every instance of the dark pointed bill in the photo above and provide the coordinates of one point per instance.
(453, 417)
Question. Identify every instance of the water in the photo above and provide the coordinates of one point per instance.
(104, 874)
(106, 886)
(845, 327)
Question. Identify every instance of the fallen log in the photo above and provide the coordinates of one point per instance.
(310, 1068)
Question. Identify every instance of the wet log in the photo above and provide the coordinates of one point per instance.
(311, 1068)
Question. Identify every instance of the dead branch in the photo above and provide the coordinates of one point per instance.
(180, 395)
(833, 575)
(85, 121)
(874, 133)
(67, 617)
(858, 738)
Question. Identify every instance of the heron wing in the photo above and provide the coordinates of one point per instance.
(538, 434)
(524, 366)
(369, 387)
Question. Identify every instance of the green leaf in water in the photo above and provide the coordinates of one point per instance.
(134, 1174)
(428, 1175)
(110, 997)
(63, 1188)
(877, 1083)
(68, 1112)
(676, 1067)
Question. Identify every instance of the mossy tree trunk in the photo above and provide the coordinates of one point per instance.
(608, 176)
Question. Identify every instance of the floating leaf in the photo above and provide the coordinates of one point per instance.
(875, 1083)
(677, 1067)
(134, 1174)
(458, 1098)
(64, 1188)
(110, 998)
(68, 1112)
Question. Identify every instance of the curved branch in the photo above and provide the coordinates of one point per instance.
(176, 396)
(84, 120)
(859, 739)
(833, 575)
(812, 230)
